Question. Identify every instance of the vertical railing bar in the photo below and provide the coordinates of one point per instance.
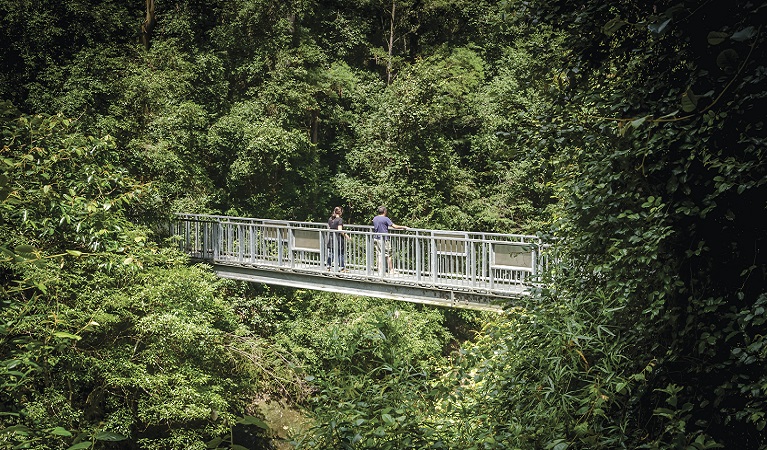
(471, 278)
(323, 251)
(195, 239)
(216, 227)
(270, 251)
(205, 240)
(418, 262)
(207, 252)
(369, 254)
(228, 246)
(252, 241)
(223, 242)
(187, 244)
(199, 245)
(411, 253)
(291, 257)
(195, 234)
(485, 259)
(490, 270)
(383, 264)
(433, 254)
(240, 243)
(261, 244)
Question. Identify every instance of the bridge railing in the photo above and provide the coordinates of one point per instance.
(480, 262)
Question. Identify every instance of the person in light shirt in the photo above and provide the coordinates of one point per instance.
(381, 225)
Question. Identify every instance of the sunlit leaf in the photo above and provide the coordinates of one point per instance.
(638, 122)
(744, 34)
(65, 335)
(59, 431)
(659, 27)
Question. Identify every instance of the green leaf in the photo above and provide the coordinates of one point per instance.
(717, 37)
(75, 253)
(659, 27)
(664, 412)
(387, 419)
(689, 101)
(81, 445)
(669, 115)
(21, 429)
(24, 249)
(65, 335)
(109, 436)
(558, 444)
(638, 122)
(59, 431)
(744, 34)
(613, 26)
(214, 443)
(251, 420)
(727, 59)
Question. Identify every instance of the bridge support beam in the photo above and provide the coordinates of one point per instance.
(362, 286)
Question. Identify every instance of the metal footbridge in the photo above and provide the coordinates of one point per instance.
(448, 268)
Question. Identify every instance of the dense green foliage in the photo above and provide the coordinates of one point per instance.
(629, 130)
(106, 335)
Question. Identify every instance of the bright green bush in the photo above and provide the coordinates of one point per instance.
(370, 369)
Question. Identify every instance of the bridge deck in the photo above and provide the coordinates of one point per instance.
(448, 268)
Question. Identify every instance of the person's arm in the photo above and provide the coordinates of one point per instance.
(340, 228)
(398, 227)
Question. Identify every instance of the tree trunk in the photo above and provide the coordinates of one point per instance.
(149, 22)
(315, 127)
(391, 43)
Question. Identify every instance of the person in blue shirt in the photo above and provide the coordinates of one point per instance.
(381, 225)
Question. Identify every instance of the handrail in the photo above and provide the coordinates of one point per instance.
(234, 219)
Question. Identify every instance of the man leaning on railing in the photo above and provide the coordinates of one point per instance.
(381, 225)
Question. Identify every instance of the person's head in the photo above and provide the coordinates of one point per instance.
(382, 210)
(337, 211)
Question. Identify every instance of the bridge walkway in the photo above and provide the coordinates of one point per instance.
(448, 268)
